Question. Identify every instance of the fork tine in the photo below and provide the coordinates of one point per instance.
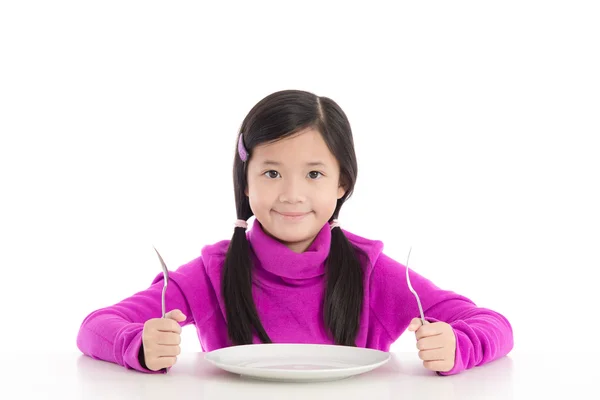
(423, 320)
(166, 281)
(164, 266)
(407, 277)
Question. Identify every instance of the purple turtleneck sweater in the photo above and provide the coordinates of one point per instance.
(288, 291)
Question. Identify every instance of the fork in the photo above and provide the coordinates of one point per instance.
(423, 320)
(164, 291)
(166, 280)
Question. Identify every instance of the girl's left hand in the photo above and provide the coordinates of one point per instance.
(436, 343)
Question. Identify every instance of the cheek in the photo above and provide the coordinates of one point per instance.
(259, 196)
(326, 200)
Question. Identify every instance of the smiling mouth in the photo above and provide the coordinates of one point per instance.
(293, 216)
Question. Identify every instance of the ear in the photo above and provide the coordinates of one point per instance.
(341, 192)
(246, 191)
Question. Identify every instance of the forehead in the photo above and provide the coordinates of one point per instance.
(304, 147)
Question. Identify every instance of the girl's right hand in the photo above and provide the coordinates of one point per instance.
(161, 338)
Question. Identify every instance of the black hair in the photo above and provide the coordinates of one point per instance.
(277, 116)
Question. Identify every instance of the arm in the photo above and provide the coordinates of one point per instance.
(114, 333)
(482, 335)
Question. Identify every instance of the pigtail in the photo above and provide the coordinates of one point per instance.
(344, 292)
(241, 311)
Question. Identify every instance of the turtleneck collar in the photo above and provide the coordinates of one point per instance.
(276, 258)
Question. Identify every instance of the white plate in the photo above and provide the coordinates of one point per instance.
(297, 362)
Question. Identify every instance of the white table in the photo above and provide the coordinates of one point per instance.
(517, 376)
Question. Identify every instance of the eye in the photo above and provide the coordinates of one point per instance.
(313, 176)
(269, 174)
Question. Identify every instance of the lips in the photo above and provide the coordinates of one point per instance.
(292, 214)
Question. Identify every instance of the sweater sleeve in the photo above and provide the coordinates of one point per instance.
(482, 334)
(114, 333)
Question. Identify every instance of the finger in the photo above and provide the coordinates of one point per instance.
(176, 315)
(415, 324)
(442, 366)
(168, 338)
(165, 362)
(432, 355)
(429, 343)
(166, 351)
(168, 325)
(428, 330)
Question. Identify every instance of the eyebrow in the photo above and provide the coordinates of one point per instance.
(310, 164)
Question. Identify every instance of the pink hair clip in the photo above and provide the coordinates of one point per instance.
(241, 149)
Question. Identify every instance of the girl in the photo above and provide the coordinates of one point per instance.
(296, 276)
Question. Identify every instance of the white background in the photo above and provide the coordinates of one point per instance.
(474, 125)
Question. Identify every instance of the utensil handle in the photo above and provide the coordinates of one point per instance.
(162, 300)
(164, 370)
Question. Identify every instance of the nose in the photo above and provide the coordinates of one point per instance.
(292, 191)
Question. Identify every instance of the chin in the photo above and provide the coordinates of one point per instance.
(293, 233)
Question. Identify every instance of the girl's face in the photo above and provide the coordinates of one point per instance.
(293, 187)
